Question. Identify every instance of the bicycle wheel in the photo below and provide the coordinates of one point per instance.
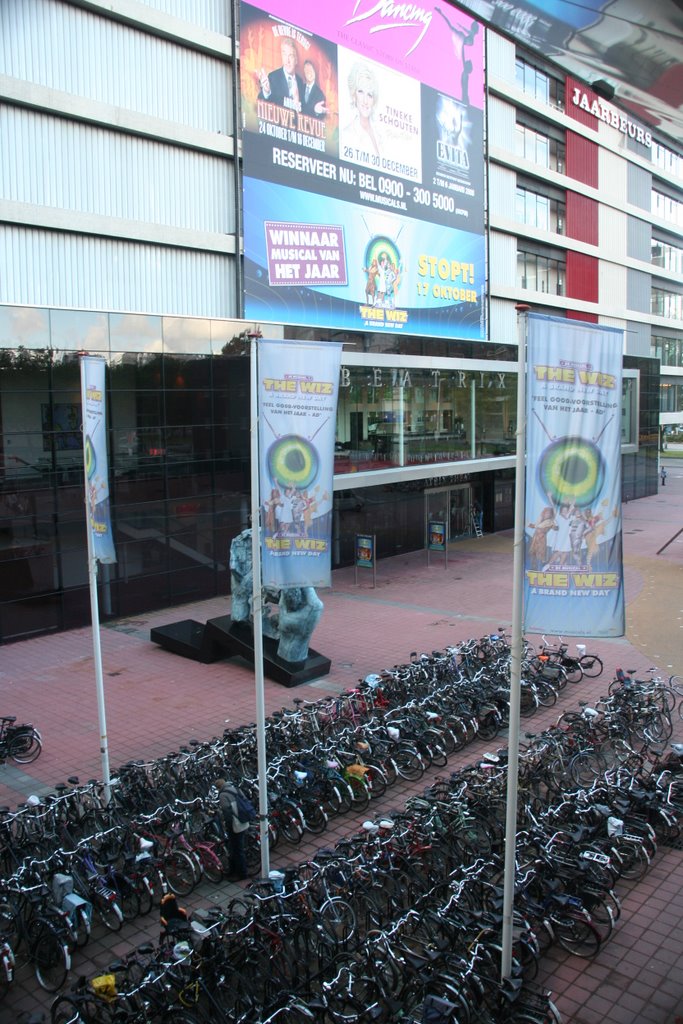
(361, 793)
(633, 860)
(547, 694)
(592, 665)
(80, 926)
(489, 726)
(576, 935)
(336, 921)
(51, 960)
(128, 898)
(436, 746)
(25, 747)
(377, 780)
(145, 894)
(409, 764)
(573, 669)
(69, 1010)
(180, 872)
(9, 924)
(585, 767)
(108, 910)
(314, 816)
(211, 865)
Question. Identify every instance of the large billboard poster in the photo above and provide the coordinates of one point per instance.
(363, 160)
(573, 574)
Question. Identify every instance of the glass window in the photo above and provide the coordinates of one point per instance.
(666, 303)
(133, 332)
(23, 327)
(539, 211)
(539, 148)
(538, 272)
(667, 208)
(668, 161)
(79, 331)
(671, 396)
(668, 350)
(667, 256)
(538, 84)
(186, 334)
(397, 417)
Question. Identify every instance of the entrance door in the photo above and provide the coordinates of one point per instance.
(460, 507)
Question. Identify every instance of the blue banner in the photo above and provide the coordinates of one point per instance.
(298, 386)
(573, 572)
(95, 455)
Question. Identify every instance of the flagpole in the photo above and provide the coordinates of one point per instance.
(95, 613)
(515, 652)
(257, 604)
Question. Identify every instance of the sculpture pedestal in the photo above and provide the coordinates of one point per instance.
(238, 638)
(189, 639)
(223, 638)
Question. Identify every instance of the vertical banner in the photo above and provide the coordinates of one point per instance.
(298, 386)
(95, 455)
(573, 573)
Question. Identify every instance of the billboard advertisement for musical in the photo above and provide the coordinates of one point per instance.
(363, 160)
(573, 572)
(298, 388)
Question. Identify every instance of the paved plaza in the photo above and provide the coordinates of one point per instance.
(157, 701)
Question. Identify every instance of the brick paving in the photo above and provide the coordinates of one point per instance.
(157, 701)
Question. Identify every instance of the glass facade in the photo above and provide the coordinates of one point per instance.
(178, 421)
(640, 468)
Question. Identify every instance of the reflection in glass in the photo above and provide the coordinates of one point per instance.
(80, 331)
(24, 327)
(186, 334)
(396, 417)
(133, 332)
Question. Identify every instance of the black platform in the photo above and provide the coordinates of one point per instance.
(188, 638)
(223, 638)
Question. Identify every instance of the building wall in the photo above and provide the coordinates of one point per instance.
(120, 188)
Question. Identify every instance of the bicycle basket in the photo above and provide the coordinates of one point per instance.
(104, 987)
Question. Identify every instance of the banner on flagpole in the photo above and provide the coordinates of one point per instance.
(298, 386)
(95, 456)
(573, 571)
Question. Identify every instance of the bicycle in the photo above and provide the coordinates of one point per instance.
(27, 918)
(23, 743)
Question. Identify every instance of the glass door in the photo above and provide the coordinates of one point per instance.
(460, 504)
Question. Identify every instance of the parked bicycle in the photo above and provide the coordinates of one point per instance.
(22, 743)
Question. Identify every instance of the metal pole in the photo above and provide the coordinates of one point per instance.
(95, 617)
(257, 605)
(516, 651)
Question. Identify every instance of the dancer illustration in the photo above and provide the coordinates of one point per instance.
(539, 545)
